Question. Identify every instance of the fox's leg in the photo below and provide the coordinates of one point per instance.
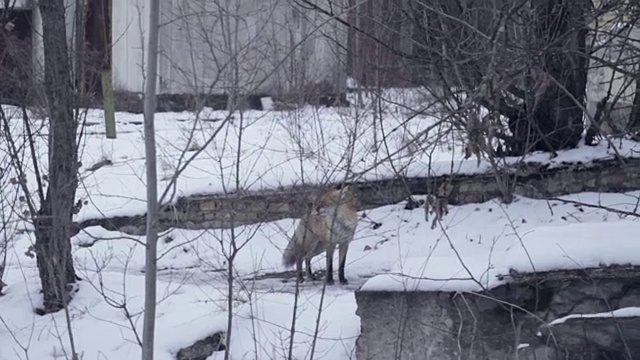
(310, 275)
(343, 259)
(299, 277)
(329, 277)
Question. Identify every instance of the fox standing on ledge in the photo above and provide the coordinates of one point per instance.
(332, 221)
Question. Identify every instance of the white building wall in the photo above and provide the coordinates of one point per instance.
(213, 46)
(37, 46)
(208, 45)
(602, 79)
(129, 26)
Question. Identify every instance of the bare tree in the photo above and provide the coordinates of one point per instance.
(483, 51)
(54, 219)
(49, 201)
(524, 61)
(148, 332)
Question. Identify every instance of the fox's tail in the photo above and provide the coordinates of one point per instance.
(290, 256)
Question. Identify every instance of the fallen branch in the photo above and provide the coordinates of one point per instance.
(593, 206)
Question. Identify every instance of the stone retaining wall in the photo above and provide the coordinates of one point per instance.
(531, 180)
(507, 322)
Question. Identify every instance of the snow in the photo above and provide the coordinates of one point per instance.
(274, 156)
(278, 149)
(490, 238)
(618, 313)
(574, 246)
(185, 314)
(476, 246)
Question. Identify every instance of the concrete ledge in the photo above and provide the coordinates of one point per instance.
(530, 180)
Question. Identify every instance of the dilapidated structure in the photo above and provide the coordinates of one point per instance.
(228, 48)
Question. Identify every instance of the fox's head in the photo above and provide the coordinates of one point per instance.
(335, 198)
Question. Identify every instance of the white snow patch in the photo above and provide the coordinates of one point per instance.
(574, 246)
(619, 313)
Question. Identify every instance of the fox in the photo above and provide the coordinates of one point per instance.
(331, 222)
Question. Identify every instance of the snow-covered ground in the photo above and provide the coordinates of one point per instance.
(475, 243)
(477, 240)
(271, 149)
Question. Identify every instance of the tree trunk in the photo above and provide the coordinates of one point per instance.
(148, 330)
(552, 119)
(545, 72)
(560, 113)
(54, 220)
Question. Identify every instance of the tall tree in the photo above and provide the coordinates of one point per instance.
(54, 219)
(525, 60)
(152, 184)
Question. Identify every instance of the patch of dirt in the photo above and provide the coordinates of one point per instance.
(285, 276)
(285, 282)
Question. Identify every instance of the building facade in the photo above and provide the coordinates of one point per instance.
(271, 47)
